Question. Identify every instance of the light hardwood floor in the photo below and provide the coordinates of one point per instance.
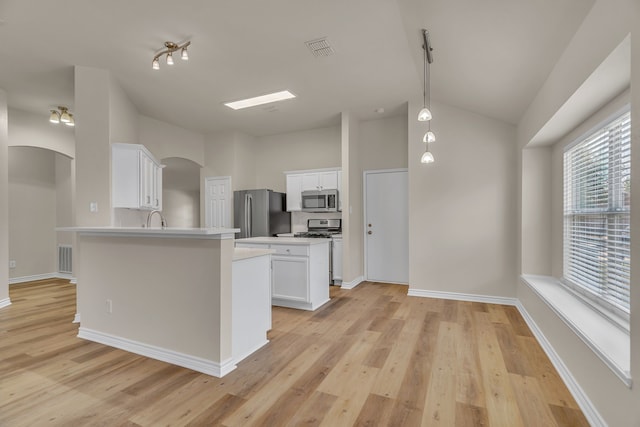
(372, 356)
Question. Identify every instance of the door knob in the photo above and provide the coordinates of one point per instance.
(369, 232)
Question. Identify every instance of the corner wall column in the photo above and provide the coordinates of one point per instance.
(4, 201)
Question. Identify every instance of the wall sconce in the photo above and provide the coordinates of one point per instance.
(62, 115)
(170, 47)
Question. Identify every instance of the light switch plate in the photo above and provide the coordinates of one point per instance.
(93, 206)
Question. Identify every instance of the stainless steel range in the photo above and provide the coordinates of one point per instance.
(323, 229)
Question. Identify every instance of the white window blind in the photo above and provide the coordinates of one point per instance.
(597, 189)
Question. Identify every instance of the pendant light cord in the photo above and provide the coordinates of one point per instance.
(424, 86)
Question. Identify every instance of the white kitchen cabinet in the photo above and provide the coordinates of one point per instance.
(300, 181)
(136, 177)
(289, 276)
(299, 270)
(320, 181)
(294, 192)
(339, 177)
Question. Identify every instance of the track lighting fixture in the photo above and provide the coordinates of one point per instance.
(62, 115)
(424, 115)
(170, 47)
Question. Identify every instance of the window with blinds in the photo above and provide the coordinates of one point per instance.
(597, 189)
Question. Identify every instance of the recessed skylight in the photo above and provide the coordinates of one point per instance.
(260, 100)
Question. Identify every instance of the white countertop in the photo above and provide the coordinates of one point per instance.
(203, 233)
(245, 253)
(284, 240)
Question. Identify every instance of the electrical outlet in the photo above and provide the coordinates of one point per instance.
(93, 207)
(12, 263)
(109, 306)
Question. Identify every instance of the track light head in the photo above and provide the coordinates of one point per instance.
(54, 117)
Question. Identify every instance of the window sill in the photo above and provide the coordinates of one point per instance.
(606, 339)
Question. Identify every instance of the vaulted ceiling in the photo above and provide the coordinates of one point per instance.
(491, 56)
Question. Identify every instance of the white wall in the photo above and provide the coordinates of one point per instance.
(229, 154)
(65, 196)
(32, 211)
(352, 241)
(35, 130)
(123, 116)
(536, 221)
(603, 30)
(462, 208)
(383, 143)
(310, 149)
(4, 198)
(93, 153)
(166, 140)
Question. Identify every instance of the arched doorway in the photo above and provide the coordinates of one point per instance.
(181, 192)
(40, 199)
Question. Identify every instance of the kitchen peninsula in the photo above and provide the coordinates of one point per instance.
(169, 294)
(299, 269)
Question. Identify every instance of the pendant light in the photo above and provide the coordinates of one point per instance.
(429, 137)
(427, 157)
(425, 113)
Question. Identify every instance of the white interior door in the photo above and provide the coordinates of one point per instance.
(386, 226)
(218, 201)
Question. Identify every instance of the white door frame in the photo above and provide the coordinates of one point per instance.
(206, 198)
(364, 211)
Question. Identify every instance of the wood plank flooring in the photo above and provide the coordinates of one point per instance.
(371, 357)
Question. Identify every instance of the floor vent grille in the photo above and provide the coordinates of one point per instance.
(64, 259)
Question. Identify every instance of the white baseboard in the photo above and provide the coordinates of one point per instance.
(205, 366)
(589, 410)
(45, 276)
(587, 407)
(353, 283)
(5, 302)
(241, 357)
(76, 318)
(462, 297)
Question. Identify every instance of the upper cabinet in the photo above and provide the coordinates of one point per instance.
(299, 181)
(136, 177)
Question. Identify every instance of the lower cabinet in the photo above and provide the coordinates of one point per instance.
(299, 273)
(289, 277)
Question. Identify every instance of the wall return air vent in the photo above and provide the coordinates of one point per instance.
(320, 47)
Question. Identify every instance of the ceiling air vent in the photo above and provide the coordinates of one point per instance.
(320, 47)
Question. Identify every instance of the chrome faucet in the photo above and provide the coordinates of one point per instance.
(163, 222)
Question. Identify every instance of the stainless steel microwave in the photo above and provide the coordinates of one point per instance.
(320, 201)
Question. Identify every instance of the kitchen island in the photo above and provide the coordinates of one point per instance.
(299, 270)
(169, 294)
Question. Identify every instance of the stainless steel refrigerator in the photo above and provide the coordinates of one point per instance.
(260, 213)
